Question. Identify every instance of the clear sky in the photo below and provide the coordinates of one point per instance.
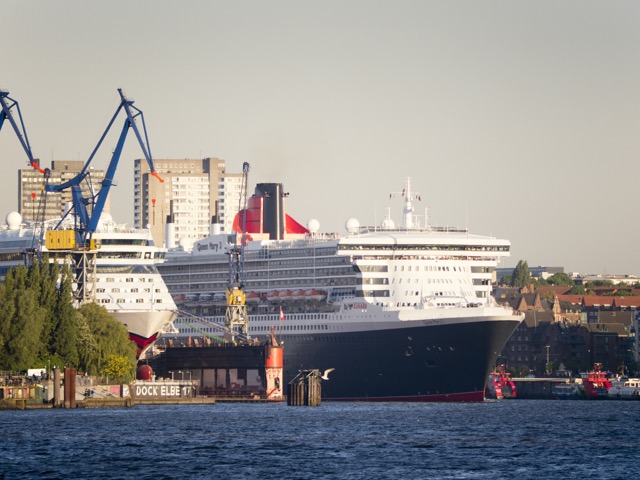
(519, 119)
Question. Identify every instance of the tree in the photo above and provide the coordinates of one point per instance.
(521, 275)
(119, 369)
(38, 323)
(21, 319)
(105, 337)
(577, 290)
(560, 279)
(65, 330)
(50, 273)
(23, 347)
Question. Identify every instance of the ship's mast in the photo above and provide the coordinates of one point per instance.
(407, 211)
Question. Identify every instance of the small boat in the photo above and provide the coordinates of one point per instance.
(299, 295)
(596, 383)
(273, 296)
(253, 297)
(191, 298)
(316, 295)
(205, 298)
(625, 388)
(566, 390)
(500, 384)
(286, 296)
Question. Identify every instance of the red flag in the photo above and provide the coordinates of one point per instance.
(281, 314)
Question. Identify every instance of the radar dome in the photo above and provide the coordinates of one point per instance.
(352, 225)
(313, 225)
(388, 224)
(13, 219)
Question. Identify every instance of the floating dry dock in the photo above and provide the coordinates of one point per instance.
(226, 372)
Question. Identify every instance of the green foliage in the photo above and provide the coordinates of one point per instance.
(65, 325)
(40, 327)
(560, 279)
(100, 337)
(119, 369)
(521, 275)
(600, 283)
(577, 290)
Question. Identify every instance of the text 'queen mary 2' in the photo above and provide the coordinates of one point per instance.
(399, 313)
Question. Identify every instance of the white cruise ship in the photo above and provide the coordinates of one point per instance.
(400, 313)
(127, 282)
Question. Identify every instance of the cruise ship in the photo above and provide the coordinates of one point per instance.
(393, 312)
(126, 283)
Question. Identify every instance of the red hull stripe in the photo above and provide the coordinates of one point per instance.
(142, 342)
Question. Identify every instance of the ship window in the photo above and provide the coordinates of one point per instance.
(158, 300)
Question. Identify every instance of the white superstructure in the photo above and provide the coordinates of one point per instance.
(398, 269)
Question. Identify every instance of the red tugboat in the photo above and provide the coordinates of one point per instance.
(596, 383)
(500, 385)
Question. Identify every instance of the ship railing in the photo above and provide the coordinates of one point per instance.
(300, 242)
(379, 229)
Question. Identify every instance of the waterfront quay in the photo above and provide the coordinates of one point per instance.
(88, 392)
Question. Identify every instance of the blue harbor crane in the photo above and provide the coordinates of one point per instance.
(88, 209)
(8, 104)
(77, 246)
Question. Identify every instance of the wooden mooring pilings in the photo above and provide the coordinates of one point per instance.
(305, 389)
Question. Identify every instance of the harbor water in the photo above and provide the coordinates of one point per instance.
(495, 439)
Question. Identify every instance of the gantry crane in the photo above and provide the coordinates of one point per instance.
(87, 208)
(8, 104)
(236, 317)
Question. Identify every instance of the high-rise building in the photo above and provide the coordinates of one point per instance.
(31, 189)
(194, 194)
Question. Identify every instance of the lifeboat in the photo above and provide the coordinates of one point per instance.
(253, 297)
(299, 295)
(286, 296)
(316, 295)
(273, 296)
(178, 298)
(205, 297)
(220, 299)
(191, 298)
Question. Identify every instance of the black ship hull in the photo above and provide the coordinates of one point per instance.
(416, 363)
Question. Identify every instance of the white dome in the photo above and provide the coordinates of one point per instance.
(352, 225)
(313, 225)
(388, 224)
(186, 243)
(13, 220)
